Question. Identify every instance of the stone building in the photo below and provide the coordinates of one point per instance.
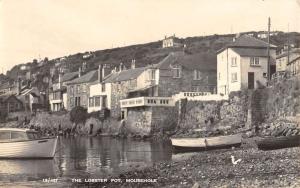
(9, 104)
(78, 89)
(243, 64)
(150, 105)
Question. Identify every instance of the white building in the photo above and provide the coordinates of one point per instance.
(171, 41)
(243, 64)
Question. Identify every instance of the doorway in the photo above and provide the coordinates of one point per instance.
(250, 80)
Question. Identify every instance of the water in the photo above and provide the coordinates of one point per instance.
(82, 157)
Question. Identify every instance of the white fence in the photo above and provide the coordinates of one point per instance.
(199, 96)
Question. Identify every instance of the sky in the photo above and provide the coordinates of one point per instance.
(50, 28)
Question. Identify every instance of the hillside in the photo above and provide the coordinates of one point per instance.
(143, 54)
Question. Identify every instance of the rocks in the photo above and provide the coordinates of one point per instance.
(280, 127)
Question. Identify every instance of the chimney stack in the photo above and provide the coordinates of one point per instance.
(100, 73)
(79, 72)
(59, 80)
(121, 67)
(133, 64)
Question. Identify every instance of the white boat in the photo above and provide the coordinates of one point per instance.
(25, 143)
(200, 144)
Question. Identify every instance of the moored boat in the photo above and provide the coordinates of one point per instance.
(271, 143)
(209, 143)
(25, 143)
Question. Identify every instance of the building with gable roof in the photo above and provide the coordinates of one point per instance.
(243, 64)
(58, 91)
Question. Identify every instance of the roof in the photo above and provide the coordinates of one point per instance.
(246, 41)
(17, 129)
(67, 76)
(249, 41)
(5, 97)
(199, 61)
(251, 52)
(86, 78)
(295, 50)
(297, 58)
(124, 75)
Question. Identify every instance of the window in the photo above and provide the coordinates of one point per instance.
(254, 61)
(91, 102)
(97, 101)
(265, 75)
(151, 74)
(177, 72)
(77, 101)
(233, 61)
(72, 90)
(133, 83)
(234, 77)
(4, 135)
(71, 101)
(78, 89)
(104, 101)
(83, 88)
(197, 75)
(18, 136)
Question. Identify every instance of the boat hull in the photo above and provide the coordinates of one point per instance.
(278, 142)
(40, 148)
(203, 144)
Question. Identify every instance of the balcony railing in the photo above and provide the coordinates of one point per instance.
(147, 101)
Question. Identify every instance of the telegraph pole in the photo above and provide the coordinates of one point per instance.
(268, 49)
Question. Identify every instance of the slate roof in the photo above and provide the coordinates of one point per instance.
(86, 78)
(67, 76)
(199, 61)
(251, 52)
(124, 75)
(248, 41)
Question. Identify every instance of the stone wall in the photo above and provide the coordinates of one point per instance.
(169, 86)
(212, 115)
(149, 120)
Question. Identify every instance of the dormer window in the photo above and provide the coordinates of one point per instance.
(254, 61)
(177, 71)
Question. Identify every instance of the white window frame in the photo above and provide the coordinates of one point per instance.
(254, 61)
(234, 77)
(234, 61)
(177, 72)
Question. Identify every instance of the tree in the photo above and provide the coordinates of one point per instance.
(78, 115)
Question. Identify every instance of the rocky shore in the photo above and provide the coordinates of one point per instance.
(276, 168)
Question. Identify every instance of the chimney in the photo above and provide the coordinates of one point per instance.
(100, 73)
(121, 67)
(59, 80)
(79, 72)
(105, 70)
(133, 64)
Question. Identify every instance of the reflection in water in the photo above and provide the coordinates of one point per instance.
(81, 157)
